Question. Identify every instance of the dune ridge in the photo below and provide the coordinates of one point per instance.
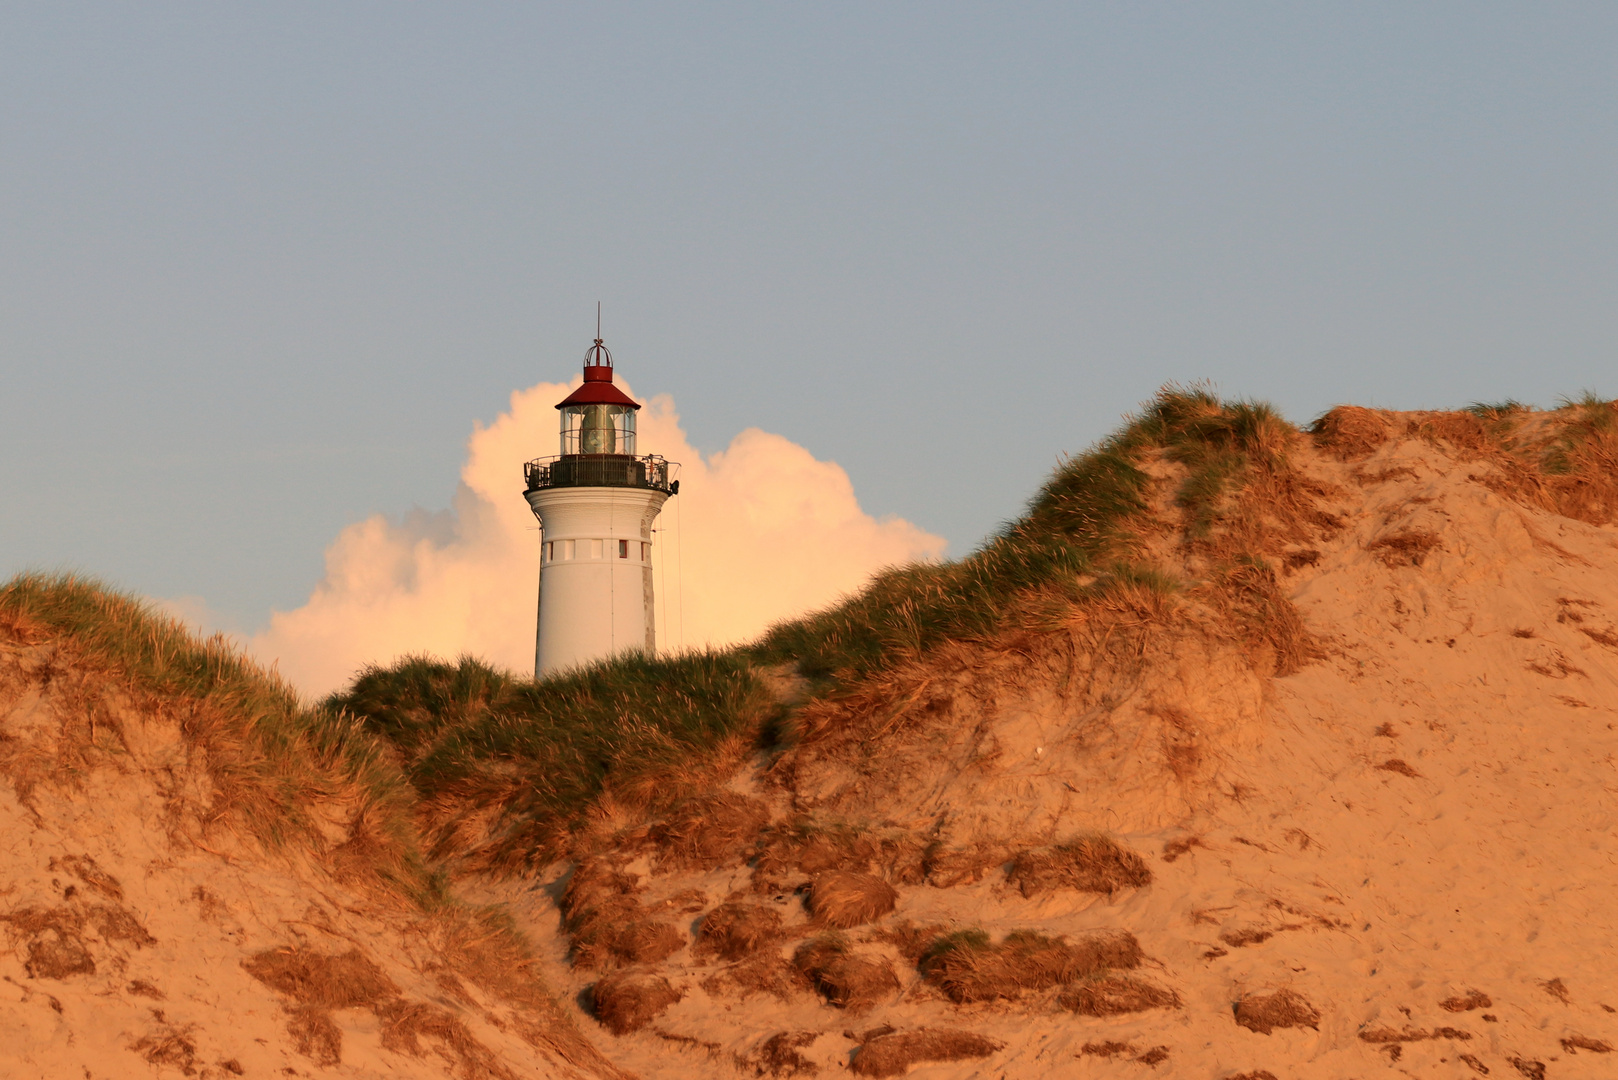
(1249, 752)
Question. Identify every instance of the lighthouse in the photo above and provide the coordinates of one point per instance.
(596, 502)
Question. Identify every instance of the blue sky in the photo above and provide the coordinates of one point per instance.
(263, 266)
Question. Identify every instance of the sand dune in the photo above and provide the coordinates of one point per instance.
(1144, 837)
(138, 940)
(1412, 833)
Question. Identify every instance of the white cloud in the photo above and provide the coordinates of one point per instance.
(768, 532)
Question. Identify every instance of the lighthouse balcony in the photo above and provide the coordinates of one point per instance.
(599, 470)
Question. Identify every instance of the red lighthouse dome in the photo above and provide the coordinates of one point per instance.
(598, 418)
(598, 388)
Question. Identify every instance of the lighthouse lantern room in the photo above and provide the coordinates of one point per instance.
(596, 502)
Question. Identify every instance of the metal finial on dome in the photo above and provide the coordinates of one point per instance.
(598, 356)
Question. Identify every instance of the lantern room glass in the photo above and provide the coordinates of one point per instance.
(598, 429)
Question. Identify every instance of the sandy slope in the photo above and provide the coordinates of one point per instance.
(127, 945)
(1424, 812)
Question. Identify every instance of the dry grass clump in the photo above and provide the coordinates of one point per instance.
(803, 847)
(1386, 1035)
(316, 1035)
(1249, 594)
(1107, 1049)
(1582, 462)
(58, 954)
(1350, 432)
(318, 982)
(736, 929)
(1245, 508)
(170, 1047)
(1087, 863)
(419, 1029)
(891, 1055)
(1114, 995)
(322, 980)
(607, 923)
(779, 1055)
(116, 924)
(1242, 937)
(1574, 1043)
(644, 941)
(614, 932)
(944, 867)
(1282, 1008)
(1175, 848)
(1406, 548)
(630, 1000)
(56, 945)
(1472, 999)
(842, 899)
(845, 980)
(1111, 1048)
(762, 973)
(596, 883)
(966, 967)
(806, 846)
(709, 831)
(1497, 410)
(55, 948)
(86, 870)
(1475, 433)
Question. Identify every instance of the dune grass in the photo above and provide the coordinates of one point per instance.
(1581, 461)
(456, 765)
(968, 968)
(527, 759)
(1588, 441)
(271, 758)
(505, 771)
(1497, 410)
(1075, 531)
(512, 769)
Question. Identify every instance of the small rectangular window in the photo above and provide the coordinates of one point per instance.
(567, 549)
(623, 549)
(550, 551)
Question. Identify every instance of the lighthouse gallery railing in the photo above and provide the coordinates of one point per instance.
(598, 470)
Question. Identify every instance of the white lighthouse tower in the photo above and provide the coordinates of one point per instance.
(596, 503)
